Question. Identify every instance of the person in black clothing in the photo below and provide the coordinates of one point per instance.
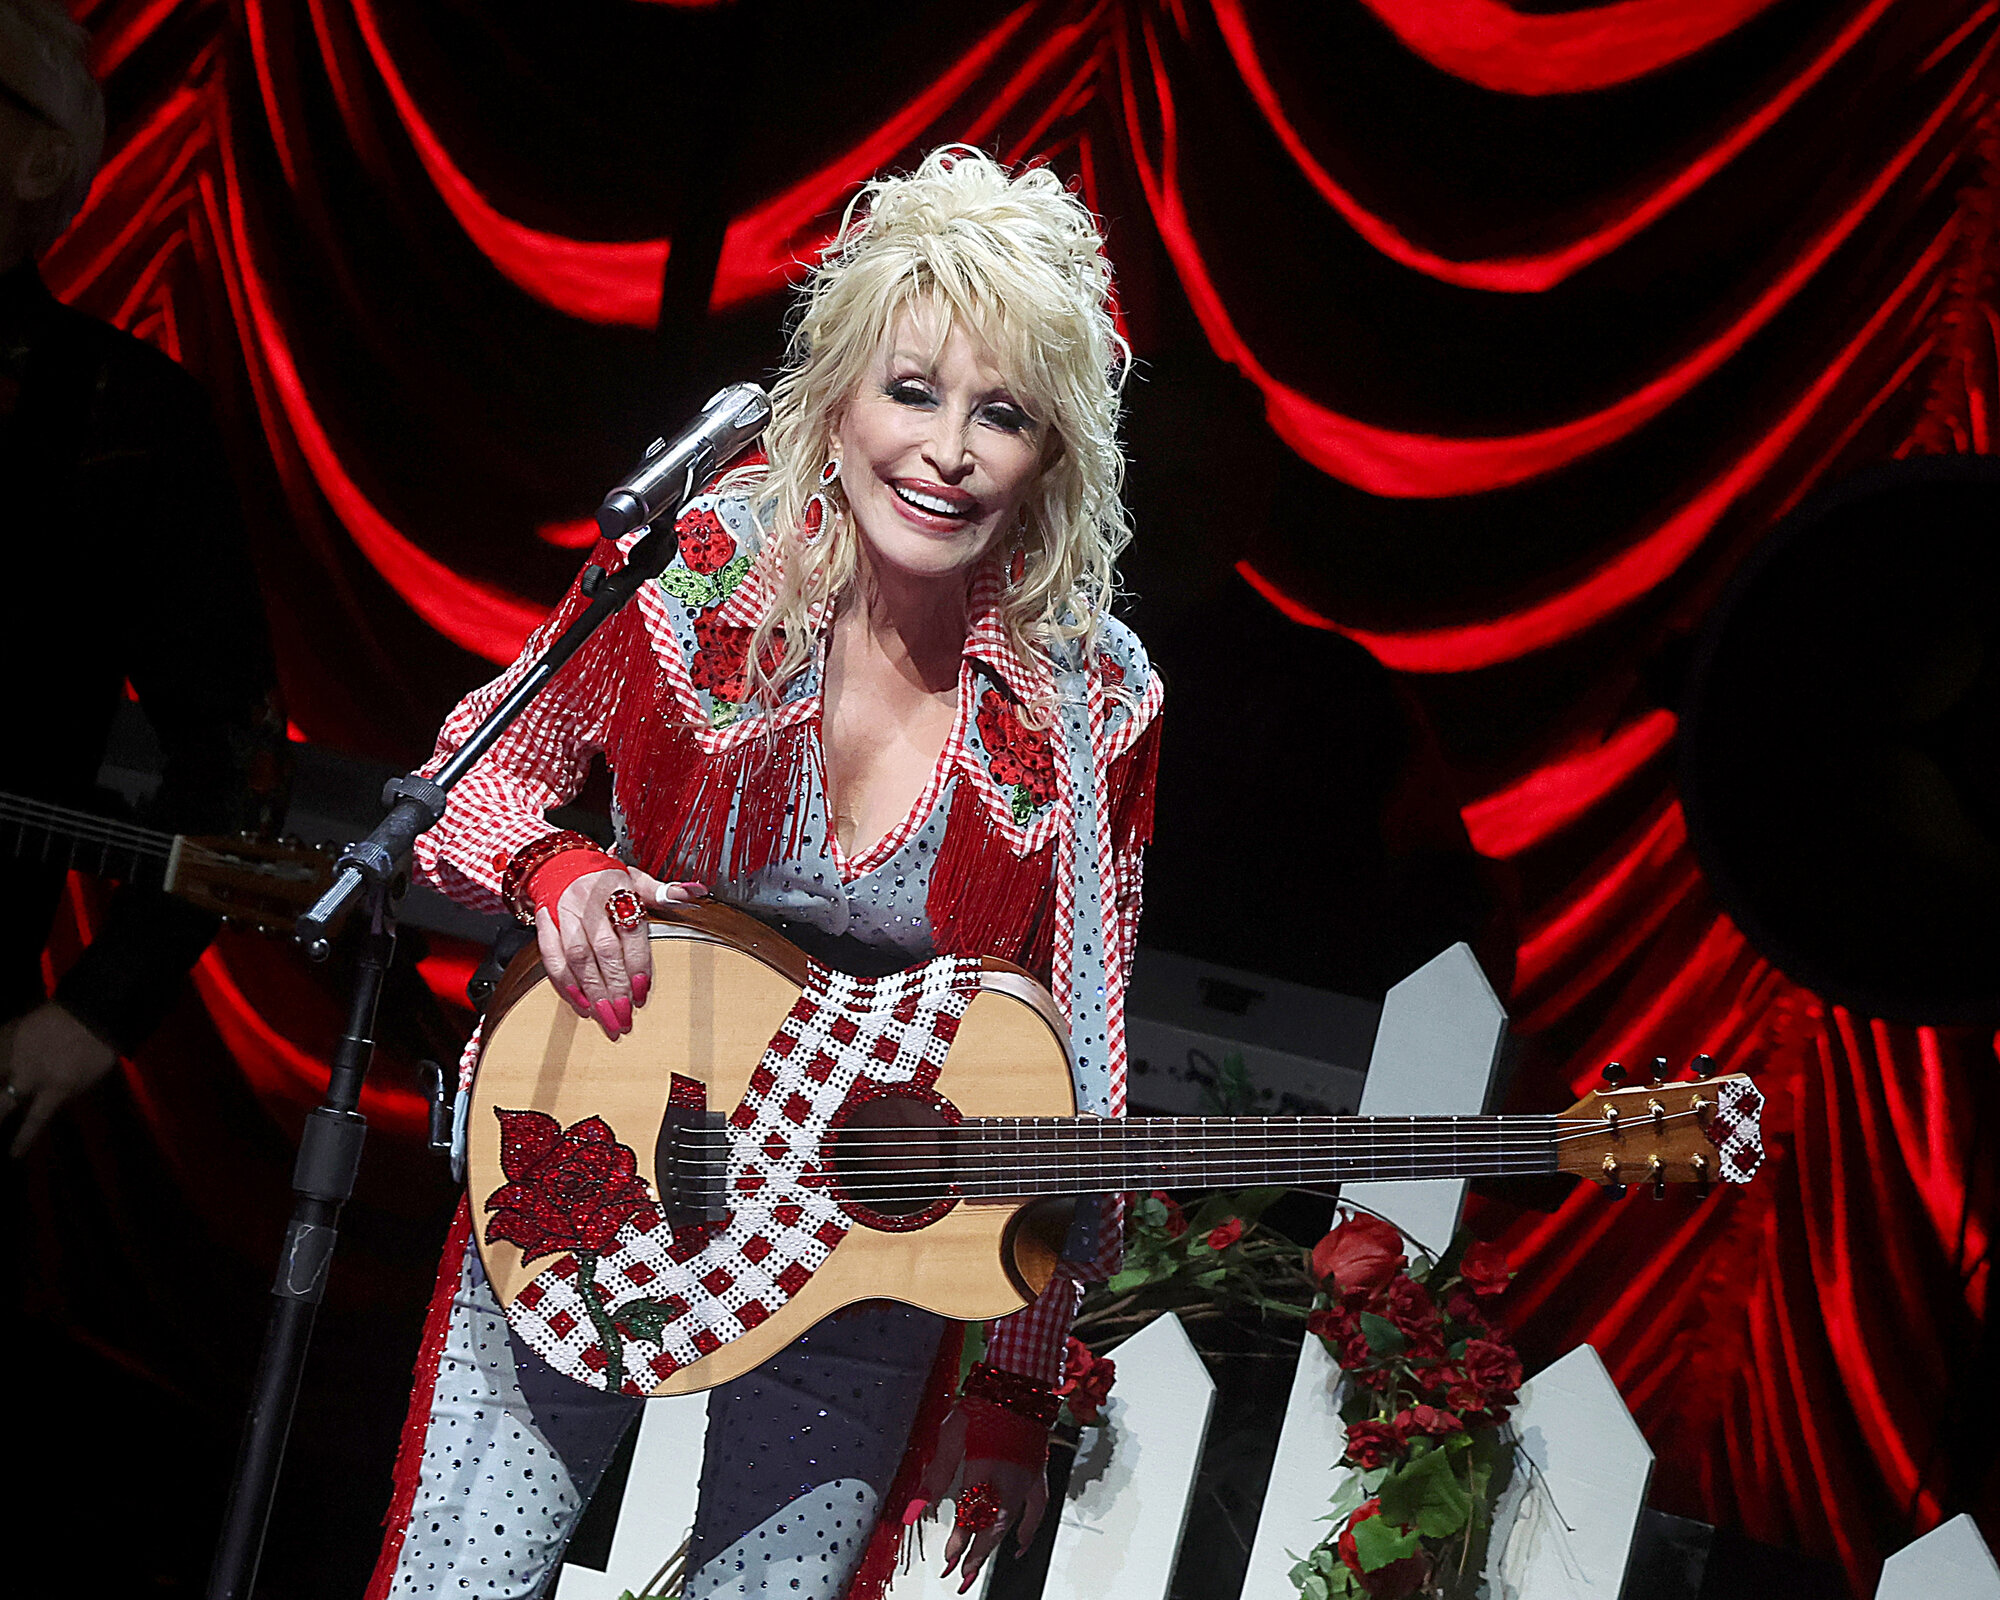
(124, 563)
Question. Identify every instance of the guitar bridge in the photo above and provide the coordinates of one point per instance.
(691, 1164)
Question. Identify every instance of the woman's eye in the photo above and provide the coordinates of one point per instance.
(910, 392)
(1010, 417)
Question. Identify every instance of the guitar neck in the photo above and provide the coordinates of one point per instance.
(996, 1156)
(34, 830)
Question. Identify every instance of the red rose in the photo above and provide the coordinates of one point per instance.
(1227, 1234)
(1484, 1269)
(1427, 1420)
(722, 657)
(1176, 1223)
(705, 544)
(1372, 1444)
(1087, 1381)
(1364, 1252)
(1340, 1327)
(1493, 1369)
(1398, 1579)
(1461, 1307)
(1415, 1316)
(1017, 756)
(568, 1188)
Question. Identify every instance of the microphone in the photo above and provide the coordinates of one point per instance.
(671, 474)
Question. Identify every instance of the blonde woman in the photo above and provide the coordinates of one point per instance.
(878, 701)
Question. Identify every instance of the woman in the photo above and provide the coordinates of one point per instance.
(878, 701)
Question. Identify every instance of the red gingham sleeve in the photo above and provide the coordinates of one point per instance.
(1032, 1341)
(540, 761)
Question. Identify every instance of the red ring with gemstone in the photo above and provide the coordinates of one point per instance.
(978, 1507)
(626, 913)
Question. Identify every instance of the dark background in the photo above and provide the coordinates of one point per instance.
(1468, 372)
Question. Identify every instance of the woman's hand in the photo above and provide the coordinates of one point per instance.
(1021, 1490)
(601, 969)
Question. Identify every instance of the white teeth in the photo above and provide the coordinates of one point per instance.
(929, 502)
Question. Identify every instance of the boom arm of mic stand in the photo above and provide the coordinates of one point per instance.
(416, 803)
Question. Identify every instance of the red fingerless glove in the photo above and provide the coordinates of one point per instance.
(993, 1433)
(546, 887)
(1007, 1416)
(527, 864)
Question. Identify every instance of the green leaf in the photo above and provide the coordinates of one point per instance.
(1150, 1212)
(1383, 1336)
(1208, 1280)
(1130, 1278)
(691, 588)
(1024, 804)
(730, 576)
(1426, 1495)
(1376, 1543)
(643, 1319)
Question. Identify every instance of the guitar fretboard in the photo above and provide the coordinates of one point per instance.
(34, 830)
(994, 1156)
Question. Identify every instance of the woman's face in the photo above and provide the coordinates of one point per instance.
(937, 452)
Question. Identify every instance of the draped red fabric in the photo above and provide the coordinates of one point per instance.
(1518, 329)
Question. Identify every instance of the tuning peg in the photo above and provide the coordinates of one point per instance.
(1703, 1065)
(1704, 1180)
(1658, 1169)
(1661, 1067)
(1614, 1074)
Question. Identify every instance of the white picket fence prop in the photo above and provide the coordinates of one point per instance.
(1435, 1052)
(1564, 1528)
(1129, 1492)
(1951, 1562)
(657, 1512)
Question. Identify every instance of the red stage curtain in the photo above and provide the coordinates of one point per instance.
(1554, 313)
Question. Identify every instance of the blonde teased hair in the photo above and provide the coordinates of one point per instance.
(1017, 261)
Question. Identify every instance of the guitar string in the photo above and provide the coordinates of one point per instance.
(1039, 1133)
(1099, 1173)
(1407, 1147)
(20, 810)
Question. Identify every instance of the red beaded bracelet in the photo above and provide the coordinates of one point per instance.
(1013, 1391)
(530, 859)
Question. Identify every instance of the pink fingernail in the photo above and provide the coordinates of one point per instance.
(641, 987)
(914, 1510)
(607, 1018)
(698, 890)
(621, 1008)
(574, 994)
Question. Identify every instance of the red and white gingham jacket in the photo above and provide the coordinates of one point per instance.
(659, 692)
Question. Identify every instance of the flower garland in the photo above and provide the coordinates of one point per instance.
(1430, 1383)
(1430, 1377)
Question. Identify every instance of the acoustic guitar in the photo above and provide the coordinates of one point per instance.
(261, 883)
(771, 1142)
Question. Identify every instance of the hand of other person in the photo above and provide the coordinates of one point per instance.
(602, 969)
(47, 1057)
(1021, 1491)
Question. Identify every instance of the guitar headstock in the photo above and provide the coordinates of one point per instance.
(263, 883)
(1703, 1131)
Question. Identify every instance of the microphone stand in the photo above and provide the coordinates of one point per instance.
(330, 1150)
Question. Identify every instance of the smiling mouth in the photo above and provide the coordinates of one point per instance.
(932, 502)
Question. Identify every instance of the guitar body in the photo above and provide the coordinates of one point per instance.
(723, 986)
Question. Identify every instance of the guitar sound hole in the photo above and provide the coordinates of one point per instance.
(892, 1155)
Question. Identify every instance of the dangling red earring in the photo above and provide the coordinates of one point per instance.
(819, 508)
